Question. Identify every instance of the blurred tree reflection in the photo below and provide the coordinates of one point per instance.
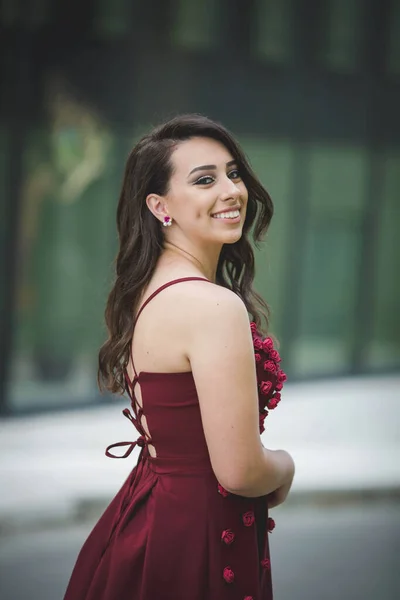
(62, 258)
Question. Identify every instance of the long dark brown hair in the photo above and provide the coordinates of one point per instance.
(148, 171)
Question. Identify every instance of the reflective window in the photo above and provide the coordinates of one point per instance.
(343, 38)
(67, 245)
(34, 13)
(303, 130)
(112, 19)
(273, 30)
(196, 25)
(3, 214)
(393, 55)
(9, 12)
(338, 177)
(384, 345)
(273, 163)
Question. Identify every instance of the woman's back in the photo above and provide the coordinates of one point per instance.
(206, 330)
(162, 322)
(163, 387)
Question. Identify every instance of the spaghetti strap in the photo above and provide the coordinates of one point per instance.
(162, 287)
(145, 303)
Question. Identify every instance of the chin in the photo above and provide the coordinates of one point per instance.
(233, 237)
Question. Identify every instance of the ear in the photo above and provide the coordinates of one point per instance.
(158, 206)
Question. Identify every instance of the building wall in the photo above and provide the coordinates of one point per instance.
(311, 89)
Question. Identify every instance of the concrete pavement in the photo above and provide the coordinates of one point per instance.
(350, 552)
(343, 434)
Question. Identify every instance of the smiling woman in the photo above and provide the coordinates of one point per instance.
(168, 176)
(198, 193)
(191, 521)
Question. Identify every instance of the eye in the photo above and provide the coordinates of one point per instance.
(234, 174)
(205, 180)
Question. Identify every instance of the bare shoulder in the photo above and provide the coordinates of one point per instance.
(216, 318)
(206, 306)
(197, 314)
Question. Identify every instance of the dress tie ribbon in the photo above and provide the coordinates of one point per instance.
(142, 442)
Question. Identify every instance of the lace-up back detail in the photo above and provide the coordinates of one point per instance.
(139, 417)
(136, 419)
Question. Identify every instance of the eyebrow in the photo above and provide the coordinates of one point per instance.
(211, 167)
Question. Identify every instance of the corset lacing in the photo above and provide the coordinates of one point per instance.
(143, 440)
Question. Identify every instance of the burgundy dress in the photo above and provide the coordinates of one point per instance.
(172, 532)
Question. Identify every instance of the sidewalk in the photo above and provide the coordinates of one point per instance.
(344, 436)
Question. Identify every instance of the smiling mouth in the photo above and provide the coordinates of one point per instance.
(230, 214)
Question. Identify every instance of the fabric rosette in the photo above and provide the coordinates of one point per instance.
(270, 376)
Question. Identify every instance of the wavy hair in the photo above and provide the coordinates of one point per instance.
(148, 171)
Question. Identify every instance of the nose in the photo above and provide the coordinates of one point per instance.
(229, 189)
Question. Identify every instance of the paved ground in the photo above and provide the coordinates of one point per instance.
(346, 552)
(343, 435)
(345, 440)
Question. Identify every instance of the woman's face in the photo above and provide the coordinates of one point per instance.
(207, 198)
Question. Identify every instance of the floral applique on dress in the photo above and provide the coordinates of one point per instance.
(270, 380)
(270, 377)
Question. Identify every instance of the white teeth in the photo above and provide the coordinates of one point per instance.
(227, 215)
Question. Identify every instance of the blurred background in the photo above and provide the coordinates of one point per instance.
(312, 91)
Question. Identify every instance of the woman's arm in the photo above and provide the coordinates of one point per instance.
(220, 351)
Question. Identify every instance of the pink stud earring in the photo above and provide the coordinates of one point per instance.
(167, 221)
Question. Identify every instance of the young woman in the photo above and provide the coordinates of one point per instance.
(191, 521)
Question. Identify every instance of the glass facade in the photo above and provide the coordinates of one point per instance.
(67, 244)
(316, 117)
